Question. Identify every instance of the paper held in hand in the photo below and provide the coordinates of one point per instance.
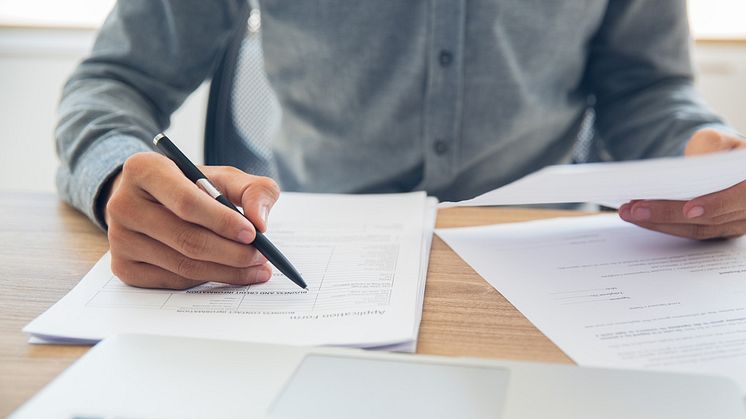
(613, 184)
(611, 294)
(364, 258)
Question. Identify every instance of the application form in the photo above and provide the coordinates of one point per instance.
(613, 184)
(364, 258)
(611, 294)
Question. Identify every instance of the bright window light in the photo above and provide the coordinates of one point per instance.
(54, 13)
(718, 19)
(710, 19)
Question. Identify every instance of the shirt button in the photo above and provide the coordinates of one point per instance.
(440, 147)
(445, 58)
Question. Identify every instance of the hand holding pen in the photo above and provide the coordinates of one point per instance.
(165, 232)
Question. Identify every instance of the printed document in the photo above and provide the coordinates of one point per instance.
(611, 294)
(613, 184)
(364, 258)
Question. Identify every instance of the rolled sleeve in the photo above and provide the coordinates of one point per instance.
(640, 74)
(82, 185)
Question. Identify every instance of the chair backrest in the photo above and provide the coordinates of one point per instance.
(242, 109)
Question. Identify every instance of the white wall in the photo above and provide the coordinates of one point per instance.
(34, 64)
(721, 78)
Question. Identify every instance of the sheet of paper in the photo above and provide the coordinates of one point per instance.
(613, 184)
(610, 294)
(363, 257)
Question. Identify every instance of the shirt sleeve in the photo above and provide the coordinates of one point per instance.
(639, 72)
(147, 58)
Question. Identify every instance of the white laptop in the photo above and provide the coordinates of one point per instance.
(150, 377)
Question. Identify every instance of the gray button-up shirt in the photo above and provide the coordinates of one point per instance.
(451, 96)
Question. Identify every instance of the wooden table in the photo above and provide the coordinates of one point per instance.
(46, 247)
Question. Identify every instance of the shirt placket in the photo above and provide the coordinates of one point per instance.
(443, 96)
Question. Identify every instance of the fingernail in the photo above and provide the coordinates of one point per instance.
(624, 211)
(246, 236)
(695, 212)
(264, 213)
(641, 213)
(263, 275)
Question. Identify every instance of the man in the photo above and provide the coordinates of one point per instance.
(453, 97)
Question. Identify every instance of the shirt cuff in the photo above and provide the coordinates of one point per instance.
(92, 170)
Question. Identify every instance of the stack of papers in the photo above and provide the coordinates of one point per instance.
(611, 294)
(613, 184)
(364, 258)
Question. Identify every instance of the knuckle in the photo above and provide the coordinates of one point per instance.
(226, 221)
(122, 269)
(121, 205)
(703, 232)
(228, 171)
(667, 213)
(187, 267)
(232, 171)
(116, 236)
(190, 242)
(116, 206)
(266, 186)
(181, 204)
(242, 275)
(138, 164)
(718, 206)
(273, 187)
(241, 258)
(736, 216)
(255, 258)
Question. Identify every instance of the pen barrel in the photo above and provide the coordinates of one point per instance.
(225, 201)
(170, 150)
(277, 259)
(261, 243)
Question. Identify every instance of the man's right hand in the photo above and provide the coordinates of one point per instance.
(165, 232)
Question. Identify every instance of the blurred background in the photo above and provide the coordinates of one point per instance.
(41, 41)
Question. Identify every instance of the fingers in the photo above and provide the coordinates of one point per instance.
(135, 249)
(653, 212)
(709, 140)
(256, 194)
(165, 232)
(719, 214)
(159, 177)
(191, 240)
(717, 204)
(716, 208)
(671, 217)
(138, 274)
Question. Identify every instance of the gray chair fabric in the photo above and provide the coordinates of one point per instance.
(242, 104)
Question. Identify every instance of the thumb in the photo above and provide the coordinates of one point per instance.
(256, 194)
(709, 140)
(258, 199)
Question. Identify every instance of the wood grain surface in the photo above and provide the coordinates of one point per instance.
(46, 247)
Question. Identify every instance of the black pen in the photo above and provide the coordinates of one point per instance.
(261, 243)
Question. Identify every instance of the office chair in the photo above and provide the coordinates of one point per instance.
(242, 106)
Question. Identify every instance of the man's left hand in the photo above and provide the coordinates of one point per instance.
(717, 215)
